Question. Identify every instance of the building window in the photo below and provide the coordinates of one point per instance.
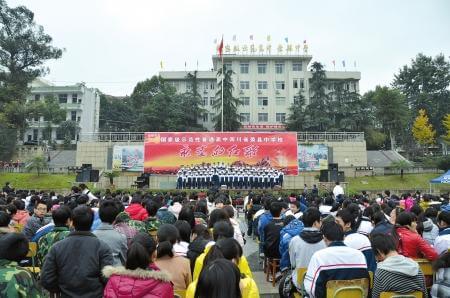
(62, 98)
(244, 67)
(227, 66)
(73, 115)
(211, 85)
(280, 117)
(188, 86)
(206, 85)
(211, 116)
(78, 119)
(205, 117)
(211, 101)
(279, 85)
(263, 101)
(74, 98)
(279, 67)
(280, 101)
(36, 119)
(347, 86)
(37, 97)
(245, 101)
(297, 66)
(205, 101)
(244, 85)
(245, 117)
(263, 117)
(354, 87)
(262, 68)
(262, 85)
(35, 134)
(296, 99)
(295, 84)
(302, 84)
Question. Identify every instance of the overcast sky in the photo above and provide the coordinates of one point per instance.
(113, 44)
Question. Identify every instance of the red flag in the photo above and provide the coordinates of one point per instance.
(220, 48)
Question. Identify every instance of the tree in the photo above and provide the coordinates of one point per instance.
(116, 113)
(68, 130)
(231, 117)
(446, 124)
(53, 114)
(111, 176)
(422, 130)
(426, 86)
(401, 165)
(24, 47)
(191, 105)
(317, 112)
(38, 163)
(374, 139)
(390, 111)
(146, 90)
(296, 117)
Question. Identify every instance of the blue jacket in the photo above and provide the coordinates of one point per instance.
(264, 219)
(445, 207)
(294, 228)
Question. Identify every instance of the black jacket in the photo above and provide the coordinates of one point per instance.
(73, 266)
(195, 249)
(272, 238)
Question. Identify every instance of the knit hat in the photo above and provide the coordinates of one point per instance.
(13, 247)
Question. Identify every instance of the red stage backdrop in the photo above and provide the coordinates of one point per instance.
(166, 152)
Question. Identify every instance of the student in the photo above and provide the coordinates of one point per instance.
(381, 224)
(441, 285)
(135, 209)
(15, 281)
(140, 274)
(73, 265)
(395, 273)
(22, 215)
(219, 279)
(303, 246)
(442, 241)
(355, 240)
(336, 262)
(152, 223)
(409, 243)
(61, 218)
(200, 237)
(38, 220)
(178, 267)
(181, 247)
(115, 240)
(272, 232)
(228, 249)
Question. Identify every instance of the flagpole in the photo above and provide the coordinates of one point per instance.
(223, 73)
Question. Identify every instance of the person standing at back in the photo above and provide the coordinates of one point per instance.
(73, 266)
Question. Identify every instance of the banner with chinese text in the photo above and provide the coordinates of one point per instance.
(166, 152)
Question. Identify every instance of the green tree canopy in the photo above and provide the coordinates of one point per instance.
(231, 117)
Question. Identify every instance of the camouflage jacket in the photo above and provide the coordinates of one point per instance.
(152, 224)
(47, 241)
(17, 282)
(138, 225)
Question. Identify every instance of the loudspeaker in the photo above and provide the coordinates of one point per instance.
(333, 176)
(341, 176)
(93, 175)
(323, 176)
(86, 166)
(333, 166)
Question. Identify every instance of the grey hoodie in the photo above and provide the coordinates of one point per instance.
(401, 265)
(430, 231)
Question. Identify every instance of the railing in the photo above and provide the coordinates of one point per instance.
(302, 137)
(112, 137)
(330, 136)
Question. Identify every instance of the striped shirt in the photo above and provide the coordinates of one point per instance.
(388, 281)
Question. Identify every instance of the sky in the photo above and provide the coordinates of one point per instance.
(113, 44)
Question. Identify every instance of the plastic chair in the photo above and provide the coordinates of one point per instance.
(32, 252)
(427, 270)
(301, 272)
(416, 294)
(353, 288)
(180, 293)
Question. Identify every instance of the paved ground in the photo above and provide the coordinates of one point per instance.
(252, 254)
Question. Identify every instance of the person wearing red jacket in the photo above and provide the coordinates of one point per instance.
(136, 210)
(138, 278)
(409, 243)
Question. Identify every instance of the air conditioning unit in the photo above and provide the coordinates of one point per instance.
(277, 92)
(259, 92)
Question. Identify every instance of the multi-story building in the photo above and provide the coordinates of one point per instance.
(266, 84)
(82, 105)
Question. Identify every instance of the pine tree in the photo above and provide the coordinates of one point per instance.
(231, 117)
(446, 124)
(296, 116)
(422, 130)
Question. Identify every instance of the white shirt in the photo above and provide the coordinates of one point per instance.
(338, 190)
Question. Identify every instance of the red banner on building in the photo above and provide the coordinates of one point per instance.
(166, 152)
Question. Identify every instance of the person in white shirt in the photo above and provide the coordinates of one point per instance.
(442, 241)
(86, 191)
(338, 192)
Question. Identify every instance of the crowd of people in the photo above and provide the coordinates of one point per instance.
(11, 166)
(239, 176)
(162, 244)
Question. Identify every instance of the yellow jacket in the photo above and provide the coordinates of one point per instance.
(243, 265)
(248, 286)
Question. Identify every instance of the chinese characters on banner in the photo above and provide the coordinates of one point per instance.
(166, 152)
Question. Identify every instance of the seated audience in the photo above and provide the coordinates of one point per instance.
(395, 273)
(36, 221)
(135, 209)
(15, 281)
(140, 274)
(336, 262)
(73, 265)
(272, 232)
(441, 286)
(177, 266)
(442, 241)
(106, 232)
(181, 247)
